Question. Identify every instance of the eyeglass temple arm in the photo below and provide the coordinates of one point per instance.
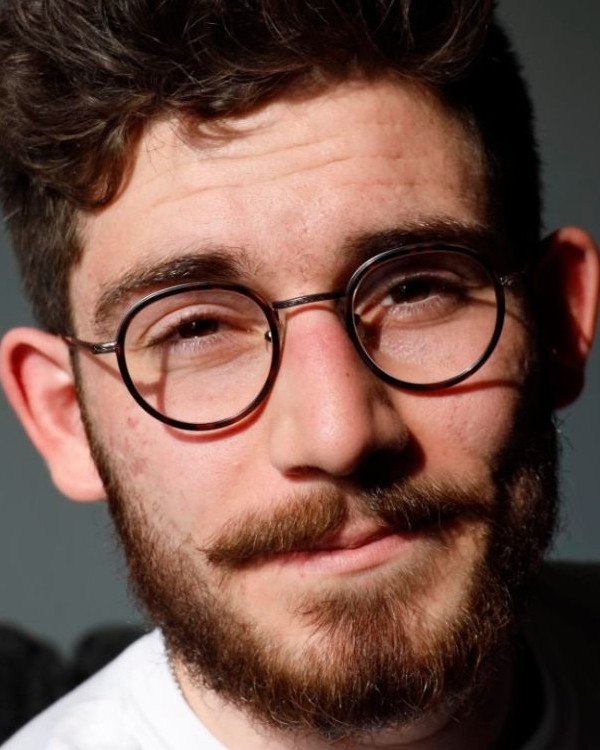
(107, 347)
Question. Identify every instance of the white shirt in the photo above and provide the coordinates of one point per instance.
(132, 704)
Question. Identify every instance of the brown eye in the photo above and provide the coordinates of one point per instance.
(412, 290)
(198, 328)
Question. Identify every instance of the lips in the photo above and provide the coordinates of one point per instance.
(350, 551)
(349, 538)
(361, 546)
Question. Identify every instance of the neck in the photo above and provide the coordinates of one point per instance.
(479, 728)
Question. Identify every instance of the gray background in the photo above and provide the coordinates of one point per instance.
(59, 573)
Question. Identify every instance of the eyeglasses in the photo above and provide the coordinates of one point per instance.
(202, 356)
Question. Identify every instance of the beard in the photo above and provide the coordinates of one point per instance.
(373, 659)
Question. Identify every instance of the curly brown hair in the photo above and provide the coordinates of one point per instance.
(81, 79)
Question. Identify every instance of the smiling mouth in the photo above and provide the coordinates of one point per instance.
(326, 533)
(365, 546)
(348, 553)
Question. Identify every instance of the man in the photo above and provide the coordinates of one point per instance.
(301, 331)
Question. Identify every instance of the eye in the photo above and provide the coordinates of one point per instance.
(418, 293)
(198, 328)
(414, 289)
(197, 331)
(200, 325)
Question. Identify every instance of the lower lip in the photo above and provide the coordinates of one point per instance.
(337, 561)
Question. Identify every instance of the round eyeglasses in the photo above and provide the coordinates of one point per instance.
(202, 356)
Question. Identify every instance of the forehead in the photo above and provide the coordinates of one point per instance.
(286, 188)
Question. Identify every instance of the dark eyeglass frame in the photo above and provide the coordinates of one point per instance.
(344, 299)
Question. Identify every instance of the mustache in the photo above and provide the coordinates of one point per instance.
(301, 522)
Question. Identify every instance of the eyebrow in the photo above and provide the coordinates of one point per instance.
(234, 265)
(219, 265)
(480, 237)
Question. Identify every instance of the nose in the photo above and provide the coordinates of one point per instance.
(327, 411)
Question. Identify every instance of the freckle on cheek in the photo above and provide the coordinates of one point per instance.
(132, 422)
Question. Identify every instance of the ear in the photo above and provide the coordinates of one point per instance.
(36, 373)
(566, 285)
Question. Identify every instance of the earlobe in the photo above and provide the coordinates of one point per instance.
(36, 373)
(567, 285)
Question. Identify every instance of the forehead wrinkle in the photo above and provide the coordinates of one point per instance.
(250, 146)
(268, 176)
(157, 154)
(220, 264)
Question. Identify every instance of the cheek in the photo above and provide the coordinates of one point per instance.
(481, 423)
(464, 429)
(460, 435)
(186, 480)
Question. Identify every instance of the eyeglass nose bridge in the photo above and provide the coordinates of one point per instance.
(307, 299)
(338, 296)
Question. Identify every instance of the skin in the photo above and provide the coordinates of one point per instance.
(298, 181)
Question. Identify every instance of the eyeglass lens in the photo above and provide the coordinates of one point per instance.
(199, 356)
(427, 317)
(203, 355)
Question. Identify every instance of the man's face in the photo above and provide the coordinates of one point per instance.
(334, 457)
